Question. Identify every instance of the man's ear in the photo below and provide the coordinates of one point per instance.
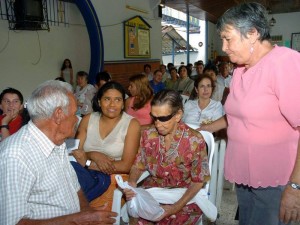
(58, 115)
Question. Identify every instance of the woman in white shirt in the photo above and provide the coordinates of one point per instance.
(202, 109)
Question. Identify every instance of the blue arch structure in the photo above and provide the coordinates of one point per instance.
(95, 34)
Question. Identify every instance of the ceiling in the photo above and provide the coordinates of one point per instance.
(211, 10)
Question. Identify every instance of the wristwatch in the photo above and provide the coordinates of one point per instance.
(4, 126)
(87, 164)
(294, 185)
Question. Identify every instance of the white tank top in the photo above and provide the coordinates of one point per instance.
(113, 144)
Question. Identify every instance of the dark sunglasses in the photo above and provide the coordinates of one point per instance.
(162, 118)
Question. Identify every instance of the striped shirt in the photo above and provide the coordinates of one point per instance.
(36, 179)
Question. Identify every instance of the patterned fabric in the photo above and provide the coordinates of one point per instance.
(183, 163)
(85, 96)
(36, 179)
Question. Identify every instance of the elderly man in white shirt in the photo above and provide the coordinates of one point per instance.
(37, 183)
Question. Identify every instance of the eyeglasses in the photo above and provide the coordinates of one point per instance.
(162, 118)
(13, 102)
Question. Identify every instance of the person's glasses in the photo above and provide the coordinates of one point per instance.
(13, 102)
(162, 118)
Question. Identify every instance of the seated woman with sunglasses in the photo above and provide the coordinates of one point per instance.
(175, 156)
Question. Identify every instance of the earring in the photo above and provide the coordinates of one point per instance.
(251, 49)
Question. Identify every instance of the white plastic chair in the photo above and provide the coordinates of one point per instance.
(185, 98)
(116, 207)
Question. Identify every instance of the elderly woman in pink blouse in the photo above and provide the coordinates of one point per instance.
(263, 119)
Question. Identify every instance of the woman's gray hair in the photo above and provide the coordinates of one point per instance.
(47, 97)
(244, 17)
(168, 97)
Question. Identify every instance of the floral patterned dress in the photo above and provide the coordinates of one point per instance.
(185, 162)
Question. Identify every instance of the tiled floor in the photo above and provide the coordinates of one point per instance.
(228, 207)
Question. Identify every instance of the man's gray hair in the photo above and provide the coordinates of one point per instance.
(47, 97)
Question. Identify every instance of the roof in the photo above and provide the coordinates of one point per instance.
(170, 35)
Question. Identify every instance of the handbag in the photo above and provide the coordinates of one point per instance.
(93, 183)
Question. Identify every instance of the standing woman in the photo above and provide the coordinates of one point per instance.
(66, 71)
(262, 109)
(138, 105)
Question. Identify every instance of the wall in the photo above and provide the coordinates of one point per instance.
(28, 58)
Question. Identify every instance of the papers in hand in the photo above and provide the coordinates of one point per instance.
(71, 145)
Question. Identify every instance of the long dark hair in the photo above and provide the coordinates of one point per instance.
(107, 86)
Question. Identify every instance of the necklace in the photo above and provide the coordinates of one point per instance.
(172, 152)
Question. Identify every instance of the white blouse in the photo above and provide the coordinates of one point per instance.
(195, 116)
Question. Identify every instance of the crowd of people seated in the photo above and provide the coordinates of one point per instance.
(112, 121)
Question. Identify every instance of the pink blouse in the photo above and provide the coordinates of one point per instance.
(142, 115)
(263, 110)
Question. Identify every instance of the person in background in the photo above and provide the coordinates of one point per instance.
(60, 79)
(170, 82)
(109, 137)
(169, 66)
(201, 109)
(37, 182)
(147, 71)
(66, 71)
(84, 94)
(165, 73)
(175, 156)
(262, 119)
(198, 71)
(156, 83)
(138, 105)
(184, 84)
(101, 79)
(14, 116)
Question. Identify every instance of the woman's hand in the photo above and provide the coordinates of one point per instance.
(104, 163)
(9, 116)
(170, 210)
(80, 156)
(129, 194)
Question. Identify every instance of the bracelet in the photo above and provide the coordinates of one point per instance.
(4, 126)
(294, 185)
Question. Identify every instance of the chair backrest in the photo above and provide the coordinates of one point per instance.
(185, 98)
(210, 141)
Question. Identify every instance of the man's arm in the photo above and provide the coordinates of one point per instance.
(92, 216)
(86, 215)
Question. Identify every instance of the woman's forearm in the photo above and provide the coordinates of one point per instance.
(217, 125)
(188, 195)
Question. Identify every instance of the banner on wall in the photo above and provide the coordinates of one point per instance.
(137, 38)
